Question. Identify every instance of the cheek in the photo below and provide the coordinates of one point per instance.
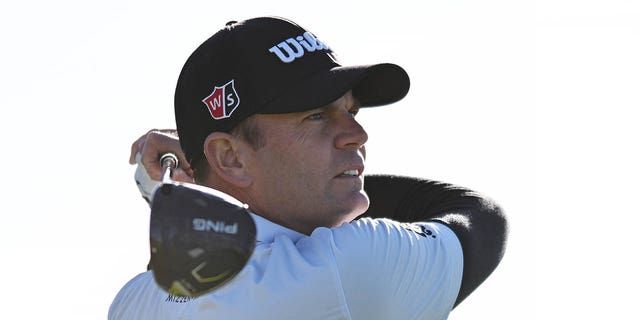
(295, 164)
(303, 154)
(303, 168)
(282, 165)
(299, 173)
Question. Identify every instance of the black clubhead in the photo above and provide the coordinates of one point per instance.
(200, 238)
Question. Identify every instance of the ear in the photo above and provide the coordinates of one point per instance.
(224, 153)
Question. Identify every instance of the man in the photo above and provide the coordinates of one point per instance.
(266, 114)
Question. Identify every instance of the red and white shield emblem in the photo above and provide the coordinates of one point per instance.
(222, 101)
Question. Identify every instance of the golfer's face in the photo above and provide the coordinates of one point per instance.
(309, 173)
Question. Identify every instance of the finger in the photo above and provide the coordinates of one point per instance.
(159, 142)
(136, 147)
(151, 161)
(182, 160)
(182, 176)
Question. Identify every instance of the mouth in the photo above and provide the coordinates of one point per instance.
(351, 173)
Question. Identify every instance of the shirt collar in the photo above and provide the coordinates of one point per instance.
(266, 230)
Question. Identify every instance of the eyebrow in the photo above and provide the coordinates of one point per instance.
(356, 102)
(353, 102)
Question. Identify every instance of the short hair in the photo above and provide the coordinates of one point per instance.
(247, 130)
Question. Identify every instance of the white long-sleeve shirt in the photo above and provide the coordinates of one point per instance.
(367, 269)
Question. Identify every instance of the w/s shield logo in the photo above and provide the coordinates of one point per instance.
(222, 101)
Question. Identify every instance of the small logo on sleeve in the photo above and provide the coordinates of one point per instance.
(222, 101)
(420, 230)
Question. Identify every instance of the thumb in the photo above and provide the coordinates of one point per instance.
(181, 175)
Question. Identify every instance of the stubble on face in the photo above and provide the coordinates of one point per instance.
(299, 172)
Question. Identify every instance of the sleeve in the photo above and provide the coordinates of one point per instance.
(408, 199)
(392, 270)
(138, 299)
(477, 221)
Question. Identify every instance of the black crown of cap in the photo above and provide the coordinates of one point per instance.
(268, 65)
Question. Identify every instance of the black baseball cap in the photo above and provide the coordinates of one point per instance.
(269, 65)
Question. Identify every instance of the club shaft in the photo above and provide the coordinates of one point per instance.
(168, 161)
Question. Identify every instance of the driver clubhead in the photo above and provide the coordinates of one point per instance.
(200, 238)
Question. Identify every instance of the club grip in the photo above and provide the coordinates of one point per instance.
(169, 160)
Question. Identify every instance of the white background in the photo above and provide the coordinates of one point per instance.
(531, 103)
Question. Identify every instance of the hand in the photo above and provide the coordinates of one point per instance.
(152, 145)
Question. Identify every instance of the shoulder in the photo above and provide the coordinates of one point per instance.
(384, 238)
(382, 257)
(136, 296)
(360, 233)
(143, 281)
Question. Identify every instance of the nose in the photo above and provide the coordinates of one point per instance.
(351, 135)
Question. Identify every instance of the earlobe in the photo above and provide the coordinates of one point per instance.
(225, 156)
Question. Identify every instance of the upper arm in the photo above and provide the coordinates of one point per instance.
(478, 222)
(393, 270)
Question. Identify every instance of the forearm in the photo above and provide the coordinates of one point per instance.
(408, 199)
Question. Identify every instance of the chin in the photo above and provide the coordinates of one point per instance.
(357, 204)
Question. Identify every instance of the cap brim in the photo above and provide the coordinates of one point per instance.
(372, 85)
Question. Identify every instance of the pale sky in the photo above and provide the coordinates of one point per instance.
(532, 103)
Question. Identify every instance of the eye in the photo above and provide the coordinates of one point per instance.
(315, 116)
(354, 111)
